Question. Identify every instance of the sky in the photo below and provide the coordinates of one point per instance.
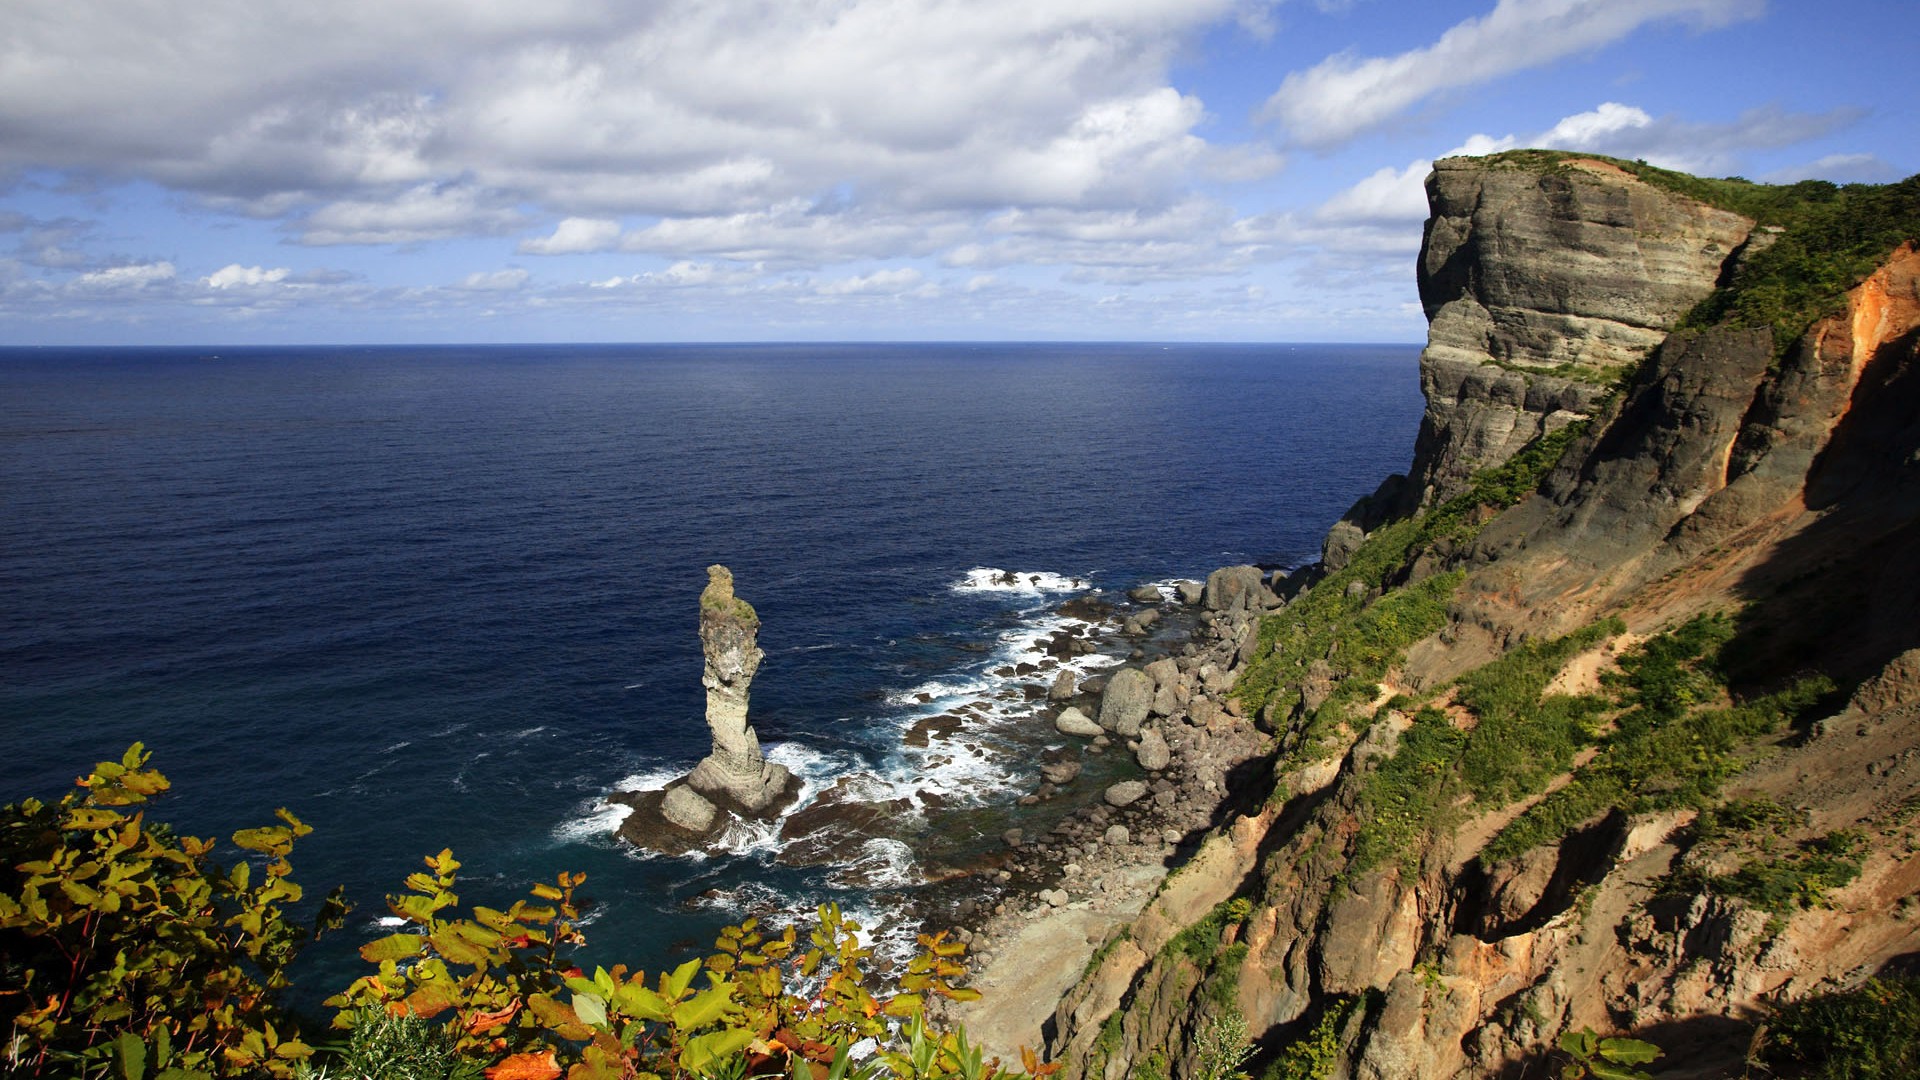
(419, 171)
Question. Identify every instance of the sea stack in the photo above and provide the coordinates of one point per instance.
(736, 771)
(735, 779)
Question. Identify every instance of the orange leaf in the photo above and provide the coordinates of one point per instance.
(479, 1022)
(541, 1066)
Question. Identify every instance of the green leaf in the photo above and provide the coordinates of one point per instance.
(591, 1010)
(268, 839)
(703, 1009)
(639, 1002)
(1602, 1070)
(130, 1056)
(1628, 1051)
(392, 947)
(91, 819)
(681, 978)
(451, 946)
(1581, 1044)
(704, 1051)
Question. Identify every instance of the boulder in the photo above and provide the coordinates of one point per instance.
(1062, 688)
(1144, 594)
(1117, 835)
(1142, 622)
(684, 807)
(1072, 721)
(1153, 753)
(1166, 701)
(1060, 772)
(1235, 588)
(1127, 701)
(1190, 592)
(1163, 671)
(1126, 792)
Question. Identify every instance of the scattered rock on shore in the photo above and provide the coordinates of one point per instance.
(1072, 721)
(1126, 702)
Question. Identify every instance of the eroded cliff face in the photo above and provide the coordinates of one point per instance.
(1695, 483)
(1727, 475)
(1540, 286)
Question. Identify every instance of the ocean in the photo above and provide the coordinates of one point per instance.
(446, 597)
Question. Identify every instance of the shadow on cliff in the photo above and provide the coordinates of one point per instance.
(1696, 1048)
(1839, 595)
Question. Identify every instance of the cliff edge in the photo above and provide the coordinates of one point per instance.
(1606, 718)
(1542, 282)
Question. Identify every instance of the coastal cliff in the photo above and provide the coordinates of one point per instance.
(1540, 287)
(1607, 717)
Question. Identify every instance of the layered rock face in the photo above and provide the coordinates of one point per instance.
(1698, 479)
(1539, 286)
(1782, 485)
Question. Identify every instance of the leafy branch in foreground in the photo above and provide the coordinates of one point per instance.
(121, 943)
(126, 952)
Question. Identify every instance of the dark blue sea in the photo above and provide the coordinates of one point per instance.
(447, 597)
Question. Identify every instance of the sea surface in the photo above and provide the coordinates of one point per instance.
(447, 597)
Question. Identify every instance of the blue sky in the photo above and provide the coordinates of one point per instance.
(279, 171)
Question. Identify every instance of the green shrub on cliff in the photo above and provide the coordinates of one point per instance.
(123, 943)
(1338, 618)
(1871, 1033)
(1829, 245)
(1671, 745)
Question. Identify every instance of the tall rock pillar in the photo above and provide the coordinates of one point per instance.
(735, 771)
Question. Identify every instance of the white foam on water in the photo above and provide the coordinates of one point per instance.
(941, 692)
(390, 922)
(991, 579)
(881, 864)
(651, 780)
(596, 819)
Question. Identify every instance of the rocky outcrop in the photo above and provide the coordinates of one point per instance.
(735, 778)
(735, 771)
(1540, 285)
(1701, 476)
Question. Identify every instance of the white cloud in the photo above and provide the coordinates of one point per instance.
(234, 274)
(495, 280)
(424, 212)
(1395, 199)
(1345, 95)
(574, 236)
(1388, 194)
(880, 282)
(132, 277)
(1690, 146)
(414, 120)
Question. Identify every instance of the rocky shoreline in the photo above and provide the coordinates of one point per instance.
(1134, 766)
(1037, 911)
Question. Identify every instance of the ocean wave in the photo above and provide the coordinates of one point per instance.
(597, 819)
(992, 579)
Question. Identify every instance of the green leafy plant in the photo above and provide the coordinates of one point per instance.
(125, 948)
(1337, 619)
(1672, 744)
(390, 1046)
(1605, 1058)
(1315, 1055)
